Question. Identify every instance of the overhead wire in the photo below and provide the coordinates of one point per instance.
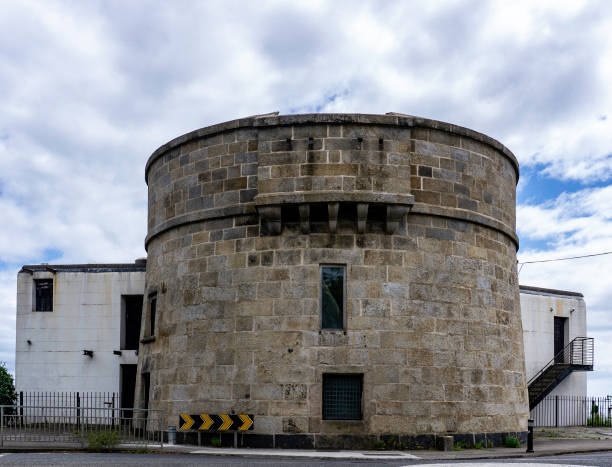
(523, 263)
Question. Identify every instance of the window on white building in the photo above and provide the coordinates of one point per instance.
(43, 295)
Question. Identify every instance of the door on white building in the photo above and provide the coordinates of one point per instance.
(128, 384)
(559, 339)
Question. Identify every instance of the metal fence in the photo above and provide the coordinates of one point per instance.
(82, 427)
(559, 411)
(66, 404)
(73, 399)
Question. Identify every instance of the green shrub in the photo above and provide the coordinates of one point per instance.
(216, 441)
(8, 396)
(380, 445)
(103, 440)
(598, 420)
(390, 443)
(512, 442)
(460, 445)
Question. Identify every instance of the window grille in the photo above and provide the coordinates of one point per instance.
(342, 397)
(43, 297)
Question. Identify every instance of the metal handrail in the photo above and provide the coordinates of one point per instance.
(577, 352)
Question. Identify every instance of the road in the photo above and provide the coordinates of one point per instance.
(85, 459)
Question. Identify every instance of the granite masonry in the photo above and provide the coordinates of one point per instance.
(345, 278)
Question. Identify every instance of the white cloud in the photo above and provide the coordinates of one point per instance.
(575, 224)
(90, 89)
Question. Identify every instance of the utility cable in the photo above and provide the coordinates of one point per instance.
(521, 264)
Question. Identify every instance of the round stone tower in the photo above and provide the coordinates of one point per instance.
(344, 278)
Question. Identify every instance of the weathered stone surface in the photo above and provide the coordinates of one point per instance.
(423, 219)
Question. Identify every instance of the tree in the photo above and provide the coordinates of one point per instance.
(7, 388)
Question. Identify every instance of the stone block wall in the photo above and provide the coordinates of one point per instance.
(243, 214)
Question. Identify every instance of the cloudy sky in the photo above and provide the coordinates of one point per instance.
(90, 89)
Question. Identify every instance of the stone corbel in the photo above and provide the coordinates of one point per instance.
(271, 218)
(395, 213)
(362, 217)
(332, 212)
(305, 218)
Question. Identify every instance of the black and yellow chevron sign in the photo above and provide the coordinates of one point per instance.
(216, 422)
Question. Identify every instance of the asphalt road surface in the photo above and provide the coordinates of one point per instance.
(90, 459)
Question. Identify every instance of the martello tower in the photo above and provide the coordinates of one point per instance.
(340, 276)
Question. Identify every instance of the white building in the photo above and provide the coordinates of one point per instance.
(551, 320)
(78, 328)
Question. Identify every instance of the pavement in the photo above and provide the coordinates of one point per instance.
(542, 447)
(547, 442)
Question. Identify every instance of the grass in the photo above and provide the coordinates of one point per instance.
(512, 442)
(392, 443)
(216, 441)
(598, 420)
(103, 441)
(460, 445)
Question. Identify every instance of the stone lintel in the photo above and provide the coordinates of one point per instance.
(333, 196)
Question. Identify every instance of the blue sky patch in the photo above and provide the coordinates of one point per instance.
(51, 254)
(536, 187)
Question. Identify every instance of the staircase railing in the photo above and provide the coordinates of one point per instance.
(578, 352)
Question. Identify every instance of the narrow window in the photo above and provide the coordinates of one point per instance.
(43, 294)
(332, 297)
(146, 387)
(342, 397)
(152, 311)
(127, 385)
(131, 312)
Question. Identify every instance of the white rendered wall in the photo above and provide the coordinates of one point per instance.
(86, 315)
(538, 311)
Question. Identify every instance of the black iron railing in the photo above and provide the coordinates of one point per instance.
(559, 411)
(578, 353)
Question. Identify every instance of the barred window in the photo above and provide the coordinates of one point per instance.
(332, 297)
(342, 397)
(43, 294)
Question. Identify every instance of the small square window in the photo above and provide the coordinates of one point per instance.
(43, 295)
(342, 397)
(332, 297)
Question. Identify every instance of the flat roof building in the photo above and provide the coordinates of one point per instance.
(78, 328)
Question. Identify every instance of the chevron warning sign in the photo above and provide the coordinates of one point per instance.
(216, 422)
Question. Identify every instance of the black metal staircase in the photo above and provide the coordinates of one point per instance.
(576, 356)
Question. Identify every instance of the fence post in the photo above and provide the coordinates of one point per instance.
(21, 406)
(161, 429)
(530, 425)
(113, 411)
(78, 410)
(556, 411)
